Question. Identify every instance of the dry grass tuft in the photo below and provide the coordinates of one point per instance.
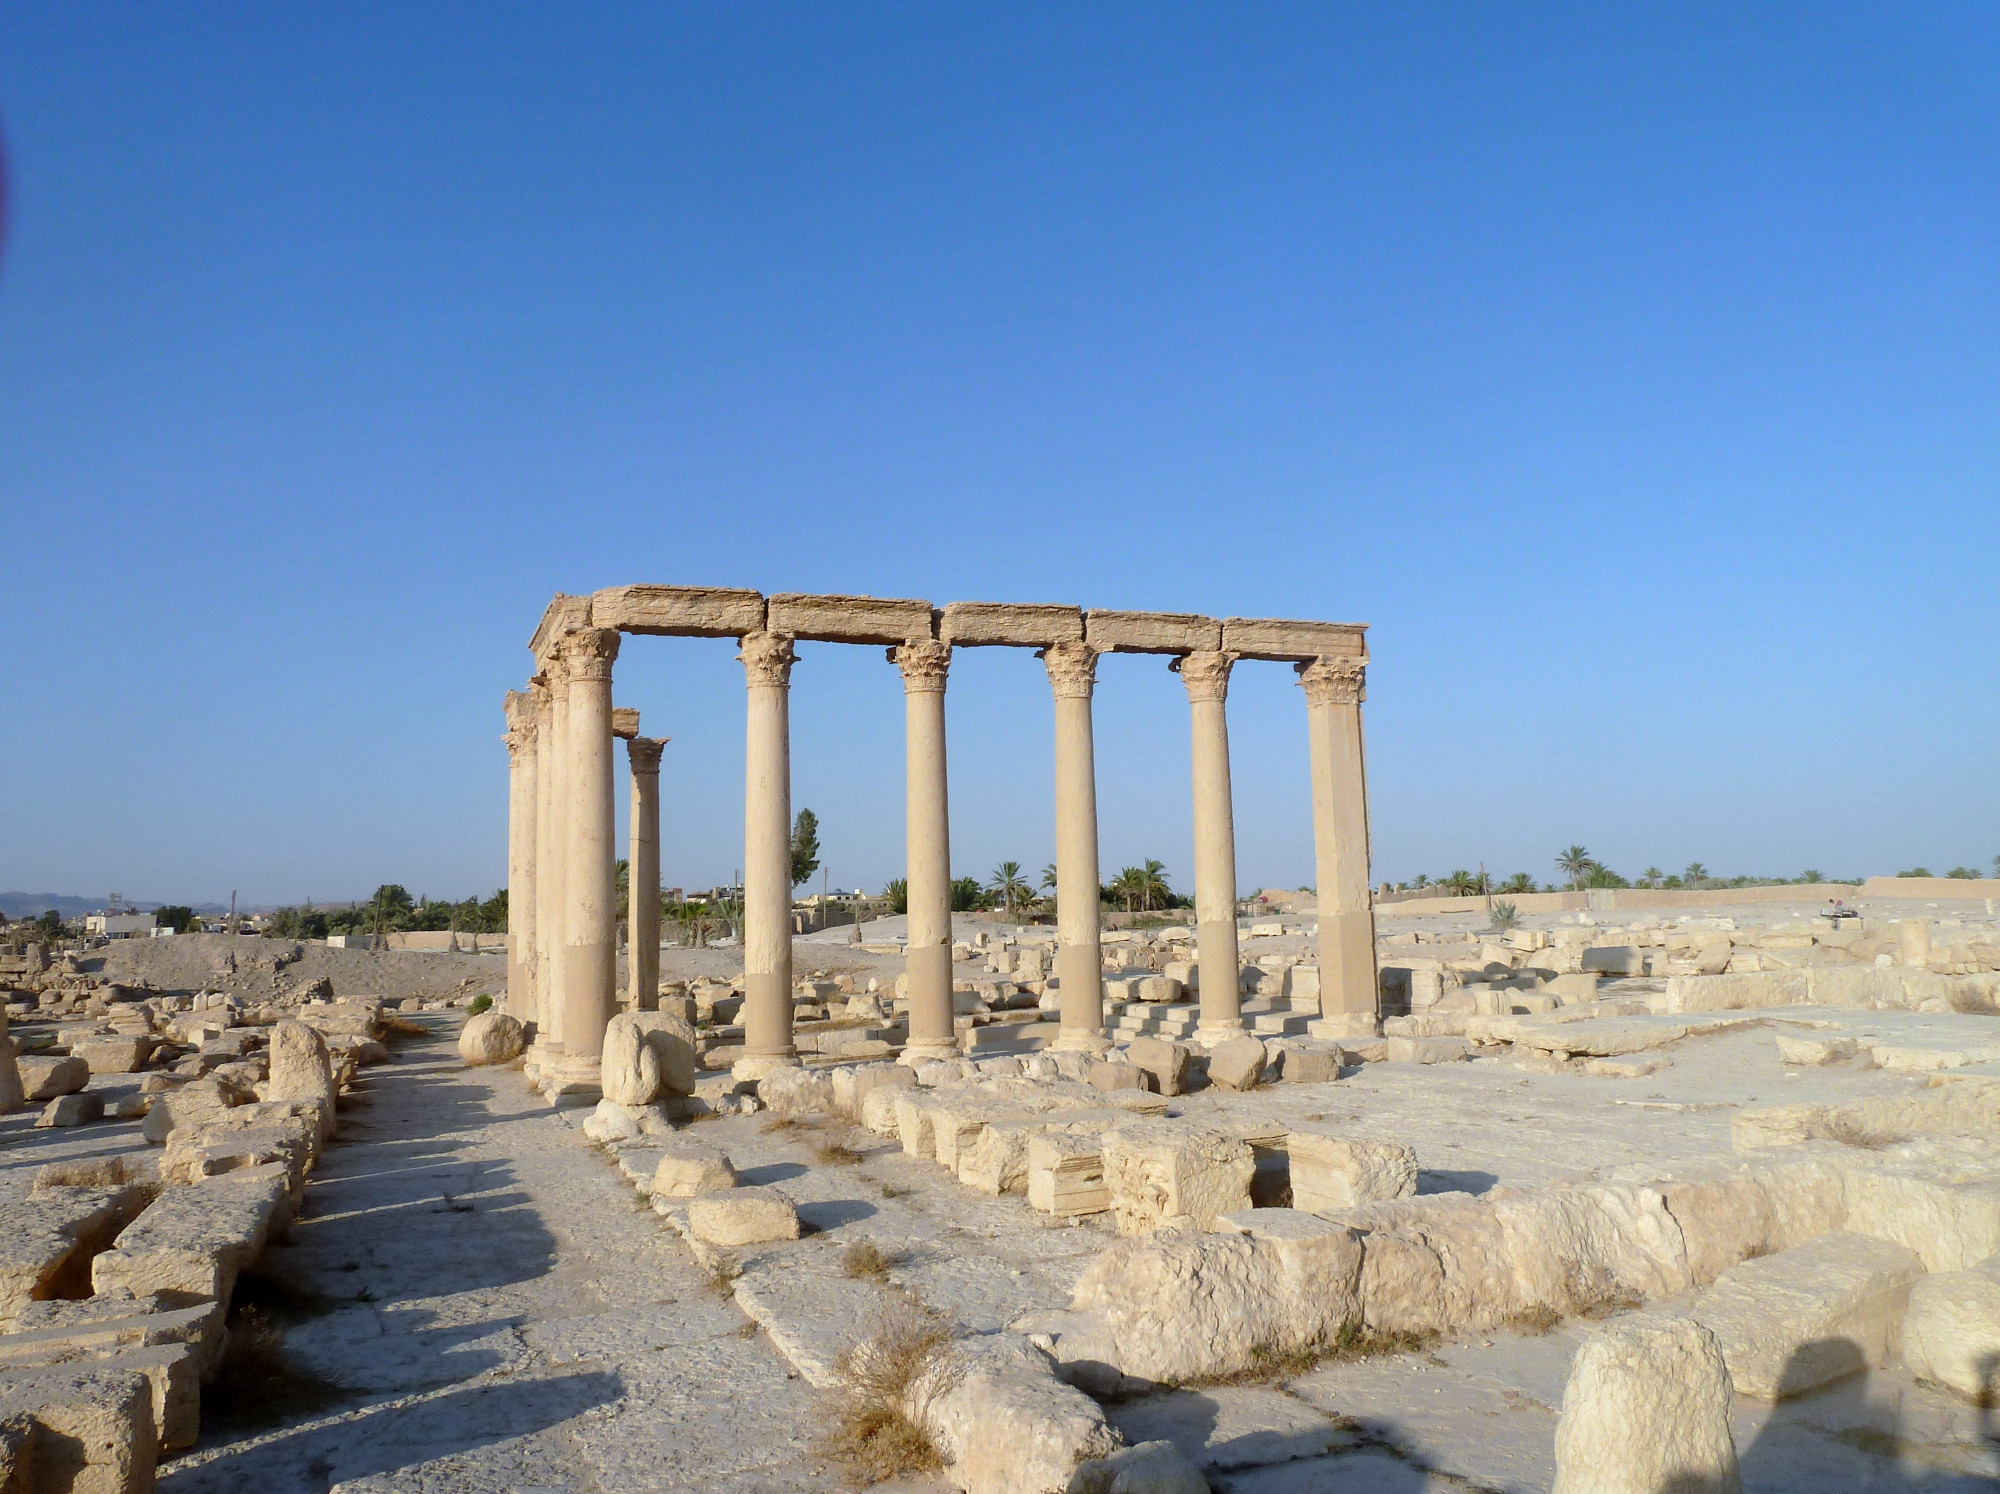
(1268, 1363)
(723, 1274)
(1536, 1321)
(257, 1385)
(1849, 1131)
(839, 1153)
(865, 1261)
(779, 1125)
(875, 1424)
(395, 1026)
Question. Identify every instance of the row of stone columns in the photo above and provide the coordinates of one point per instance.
(560, 873)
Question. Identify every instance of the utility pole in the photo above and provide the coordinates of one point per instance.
(232, 910)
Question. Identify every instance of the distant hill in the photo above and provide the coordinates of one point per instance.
(35, 904)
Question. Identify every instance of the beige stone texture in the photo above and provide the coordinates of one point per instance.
(677, 611)
(194, 1238)
(793, 1091)
(1331, 1172)
(1647, 1411)
(743, 1216)
(523, 712)
(1072, 671)
(588, 993)
(1951, 1331)
(1150, 632)
(1066, 1175)
(1168, 1062)
(564, 613)
(71, 1110)
(45, 1078)
(690, 1167)
(1008, 1424)
(1163, 1173)
(114, 1055)
(1293, 642)
(13, 1094)
(50, 1237)
(92, 1430)
(624, 722)
(1815, 1050)
(302, 1069)
(1818, 1312)
(839, 619)
(1185, 1306)
(491, 1037)
(925, 665)
(1237, 1063)
(1146, 1468)
(1009, 625)
(854, 1084)
(1427, 1049)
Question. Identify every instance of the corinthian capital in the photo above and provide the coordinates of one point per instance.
(924, 662)
(644, 753)
(521, 709)
(1072, 669)
(586, 653)
(1334, 681)
(768, 659)
(1205, 673)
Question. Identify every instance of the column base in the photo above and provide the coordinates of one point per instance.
(916, 1053)
(571, 1082)
(544, 1054)
(750, 1070)
(1345, 1025)
(1210, 1031)
(1076, 1040)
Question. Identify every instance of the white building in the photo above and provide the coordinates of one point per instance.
(119, 925)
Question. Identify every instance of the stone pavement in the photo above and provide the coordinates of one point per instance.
(506, 1317)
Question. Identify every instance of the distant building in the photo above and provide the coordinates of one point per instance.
(119, 925)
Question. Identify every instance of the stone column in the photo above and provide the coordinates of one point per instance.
(1079, 955)
(642, 917)
(1206, 675)
(928, 856)
(551, 813)
(767, 857)
(522, 802)
(1348, 995)
(590, 932)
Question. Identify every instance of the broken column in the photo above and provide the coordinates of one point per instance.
(642, 896)
(1335, 687)
(767, 856)
(924, 663)
(1206, 675)
(522, 800)
(1079, 957)
(590, 952)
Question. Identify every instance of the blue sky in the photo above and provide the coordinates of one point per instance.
(1631, 371)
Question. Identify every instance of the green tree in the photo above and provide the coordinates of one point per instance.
(175, 916)
(1153, 889)
(1652, 876)
(1963, 873)
(49, 927)
(1460, 883)
(1519, 882)
(897, 895)
(805, 846)
(1811, 876)
(965, 895)
(1421, 882)
(1008, 885)
(1575, 863)
(1695, 876)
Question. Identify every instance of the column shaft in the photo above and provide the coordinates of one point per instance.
(1079, 955)
(1348, 981)
(552, 849)
(1206, 676)
(642, 961)
(590, 949)
(767, 855)
(522, 820)
(928, 850)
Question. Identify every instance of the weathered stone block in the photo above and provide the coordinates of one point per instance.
(51, 1236)
(71, 1110)
(796, 1091)
(1009, 624)
(1237, 1063)
(1168, 1062)
(1169, 1173)
(492, 1037)
(743, 1216)
(1951, 1330)
(1331, 1172)
(689, 1168)
(89, 1430)
(195, 1238)
(1647, 1410)
(679, 611)
(1150, 632)
(1293, 642)
(840, 619)
(45, 1078)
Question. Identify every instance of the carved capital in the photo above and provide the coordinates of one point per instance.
(1072, 669)
(1334, 681)
(644, 753)
(587, 653)
(924, 662)
(624, 722)
(767, 659)
(1205, 673)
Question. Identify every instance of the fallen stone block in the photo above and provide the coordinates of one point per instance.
(13, 1094)
(878, 1109)
(1647, 1410)
(1798, 1319)
(114, 1055)
(492, 1037)
(647, 1054)
(1185, 1306)
(88, 1429)
(996, 1162)
(1111, 1075)
(1428, 1050)
(1951, 1331)
(95, 1326)
(51, 1237)
(743, 1216)
(1066, 1175)
(1168, 1173)
(1304, 1060)
(1237, 1063)
(1147, 1468)
(196, 1237)
(1330, 1172)
(1009, 1424)
(46, 1078)
(689, 1168)
(1815, 1050)
(71, 1110)
(1737, 992)
(852, 1085)
(796, 1091)
(1168, 1062)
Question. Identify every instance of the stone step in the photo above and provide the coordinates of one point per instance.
(1276, 1025)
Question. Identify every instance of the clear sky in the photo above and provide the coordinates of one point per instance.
(1631, 371)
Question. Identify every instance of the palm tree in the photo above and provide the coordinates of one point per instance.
(1519, 882)
(1575, 863)
(1652, 876)
(1010, 886)
(1460, 884)
(1812, 876)
(1696, 875)
(1127, 886)
(1424, 881)
(1153, 884)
